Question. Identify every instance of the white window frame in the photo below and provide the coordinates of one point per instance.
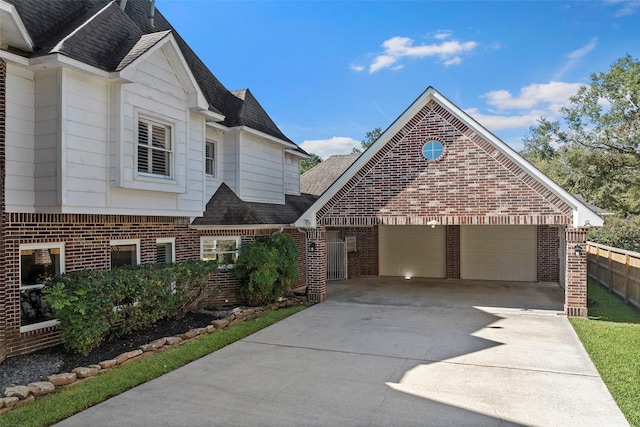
(204, 239)
(212, 159)
(170, 130)
(34, 246)
(124, 243)
(165, 240)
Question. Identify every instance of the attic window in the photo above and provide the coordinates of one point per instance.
(432, 150)
(210, 158)
(154, 148)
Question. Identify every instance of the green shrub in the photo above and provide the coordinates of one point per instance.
(619, 232)
(266, 268)
(93, 305)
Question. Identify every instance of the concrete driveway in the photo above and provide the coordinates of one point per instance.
(388, 352)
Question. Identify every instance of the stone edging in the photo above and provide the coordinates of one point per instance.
(17, 396)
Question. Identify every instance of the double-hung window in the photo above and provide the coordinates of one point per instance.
(210, 158)
(39, 263)
(222, 249)
(154, 148)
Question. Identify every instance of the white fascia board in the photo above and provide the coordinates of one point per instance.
(8, 13)
(55, 60)
(210, 116)
(278, 141)
(197, 99)
(297, 154)
(12, 57)
(582, 216)
(240, 227)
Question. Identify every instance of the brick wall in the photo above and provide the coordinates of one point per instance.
(364, 262)
(548, 246)
(472, 183)
(452, 242)
(3, 79)
(317, 265)
(87, 246)
(575, 290)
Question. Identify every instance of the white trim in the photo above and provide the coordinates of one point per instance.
(41, 325)
(165, 240)
(241, 227)
(171, 127)
(17, 20)
(123, 243)
(263, 135)
(581, 214)
(214, 158)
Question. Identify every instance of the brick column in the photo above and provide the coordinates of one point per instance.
(452, 242)
(575, 290)
(3, 282)
(316, 265)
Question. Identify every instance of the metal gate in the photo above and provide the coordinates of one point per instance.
(336, 256)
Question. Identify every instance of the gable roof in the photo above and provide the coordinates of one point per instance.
(582, 215)
(100, 34)
(226, 209)
(320, 177)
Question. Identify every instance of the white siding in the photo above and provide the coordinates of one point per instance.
(193, 199)
(47, 139)
(291, 174)
(230, 155)
(261, 170)
(19, 179)
(86, 112)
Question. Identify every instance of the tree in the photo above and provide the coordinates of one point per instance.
(370, 138)
(307, 164)
(595, 152)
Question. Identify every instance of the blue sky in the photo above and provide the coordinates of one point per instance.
(327, 72)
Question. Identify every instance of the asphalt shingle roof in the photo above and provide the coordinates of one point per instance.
(320, 177)
(225, 208)
(99, 33)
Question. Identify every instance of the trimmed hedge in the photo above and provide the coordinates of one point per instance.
(93, 305)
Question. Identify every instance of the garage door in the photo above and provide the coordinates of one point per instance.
(505, 252)
(411, 250)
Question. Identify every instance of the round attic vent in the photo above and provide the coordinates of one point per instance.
(432, 150)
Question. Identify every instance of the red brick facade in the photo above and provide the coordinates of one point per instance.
(3, 111)
(472, 183)
(87, 245)
(575, 288)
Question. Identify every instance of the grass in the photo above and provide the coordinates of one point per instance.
(611, 336)
(70, 400)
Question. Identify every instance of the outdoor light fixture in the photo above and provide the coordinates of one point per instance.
(407, 277)
(312, 246)
(578, 250)
(433, 223)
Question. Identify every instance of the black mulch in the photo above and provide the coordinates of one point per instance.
(25, 369)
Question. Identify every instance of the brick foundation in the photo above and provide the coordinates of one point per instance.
(87, 245)
(3, 111)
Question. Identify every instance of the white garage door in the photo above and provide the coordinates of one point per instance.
(501, 252)
(411, 250)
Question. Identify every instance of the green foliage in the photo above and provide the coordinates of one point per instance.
(623, 233)
(370, 138)
(595, 151)
(307, 164)
(93, 305)
(266, 268)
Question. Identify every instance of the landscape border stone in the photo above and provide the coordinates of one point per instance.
(20, 395)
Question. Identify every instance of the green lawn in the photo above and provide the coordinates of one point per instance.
(67, 401)
(611, 336)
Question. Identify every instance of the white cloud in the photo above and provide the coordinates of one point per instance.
(551, 95)
(453, 61)
(397, 48)
(357, 67)
(443, 34)
(626, 7)
(496, 122)
(579, 53)
(327, 147)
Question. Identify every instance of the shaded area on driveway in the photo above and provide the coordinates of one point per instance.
(387, 351)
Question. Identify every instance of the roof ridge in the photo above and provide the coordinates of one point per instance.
(59, 46)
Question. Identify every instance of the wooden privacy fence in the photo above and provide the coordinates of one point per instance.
(616, 269)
